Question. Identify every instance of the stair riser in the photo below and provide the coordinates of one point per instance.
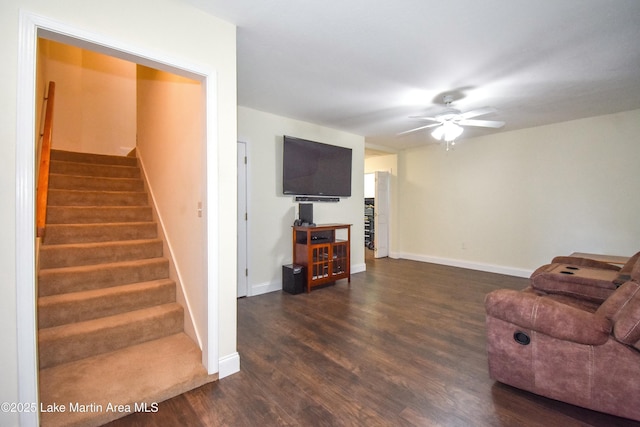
(69, 156)
(65, 344)
(65, 280)
(72, 182)
(96, 198)
(81, 306)
(86, 169)
(97, 214)
(57, 256)
(85, 233)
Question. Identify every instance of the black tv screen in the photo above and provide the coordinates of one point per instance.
(315, 169)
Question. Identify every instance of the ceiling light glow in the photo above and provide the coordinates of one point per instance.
(448, 132)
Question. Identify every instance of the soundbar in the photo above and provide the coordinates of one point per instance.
(316, 199)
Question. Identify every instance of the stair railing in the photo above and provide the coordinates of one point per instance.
(42, 189)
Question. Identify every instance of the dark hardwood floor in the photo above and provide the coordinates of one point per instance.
(403, 345)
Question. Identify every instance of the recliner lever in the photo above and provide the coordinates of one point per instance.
(521, 338)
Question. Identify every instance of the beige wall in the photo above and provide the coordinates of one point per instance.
(103, 105)
(271, 214)
(93, 91)
(171, 149)
(510, 202)
(163, 28)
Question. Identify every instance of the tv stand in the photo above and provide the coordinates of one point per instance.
(326, 257)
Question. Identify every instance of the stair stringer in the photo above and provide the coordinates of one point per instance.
(174, 271)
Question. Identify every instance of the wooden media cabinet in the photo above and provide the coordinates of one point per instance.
(325, 252)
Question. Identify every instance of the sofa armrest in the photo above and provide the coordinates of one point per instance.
(549, 317)
(584, 262)
(587, 283)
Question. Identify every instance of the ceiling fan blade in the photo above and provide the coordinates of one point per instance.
(419, 128)
(482, 123)
(478, 112)
(433, 119)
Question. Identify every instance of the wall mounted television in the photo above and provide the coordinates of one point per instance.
(312, 168)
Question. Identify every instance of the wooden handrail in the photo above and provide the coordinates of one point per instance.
(45, 159)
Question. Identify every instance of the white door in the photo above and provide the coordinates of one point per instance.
(242, 220)
(381, 215)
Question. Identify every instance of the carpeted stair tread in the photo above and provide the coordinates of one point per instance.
(89, 169)
(55, 281)
(67, 343)
(102, 232)
(105, 159)
(75, 254)
(78, 182)
(96, 198)
(161, 369)
(97, 214)
(56, 310)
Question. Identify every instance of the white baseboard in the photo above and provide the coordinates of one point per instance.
(490, 268)
(264, 288)
(228, 365)
(358, 268)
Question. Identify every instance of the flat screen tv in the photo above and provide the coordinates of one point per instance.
(315, 169)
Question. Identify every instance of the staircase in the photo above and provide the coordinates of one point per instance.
(110, 330)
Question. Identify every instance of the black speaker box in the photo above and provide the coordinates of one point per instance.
(305, 212)
(293, 279)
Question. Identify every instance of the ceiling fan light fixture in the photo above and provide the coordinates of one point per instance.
(449, 131)
(438, 133)
(450, 123)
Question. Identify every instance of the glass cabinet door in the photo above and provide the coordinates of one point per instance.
(320, 261)
(339, 258)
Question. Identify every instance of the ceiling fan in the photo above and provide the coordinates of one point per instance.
(448, 124)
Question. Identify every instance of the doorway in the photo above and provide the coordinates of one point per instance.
(31, 27)
(376, 213)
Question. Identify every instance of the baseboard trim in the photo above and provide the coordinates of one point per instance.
(264, 288)
(489, 268)
(358, 268)
(228, 365)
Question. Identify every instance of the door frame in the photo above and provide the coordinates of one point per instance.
(31, 26)
(243, 223)
(385, 208)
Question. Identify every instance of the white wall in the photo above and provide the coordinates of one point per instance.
(93, 91)
(511, 201)
(271, 214)
(165, 28)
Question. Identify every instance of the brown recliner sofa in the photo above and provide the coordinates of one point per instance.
(565, 347)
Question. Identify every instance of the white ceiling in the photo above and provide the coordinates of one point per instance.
(364, 66)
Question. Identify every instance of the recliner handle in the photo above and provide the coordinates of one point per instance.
(521, 338)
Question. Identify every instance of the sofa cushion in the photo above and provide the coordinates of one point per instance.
(612, 307)
(624, 311)
(635, 272)
(624, 275)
